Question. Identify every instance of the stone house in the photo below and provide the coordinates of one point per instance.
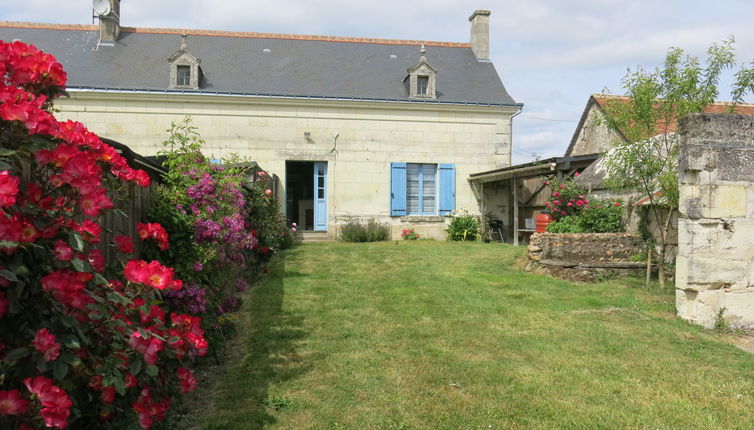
(593, 137)
(352, 127)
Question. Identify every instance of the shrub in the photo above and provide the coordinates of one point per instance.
(224, 228)
(566, 199)
(567, 224)
(84, 342)
(357, 231)
(377, 232)
(463, 226)
(603, 217)
(599, 217)
(409, 234)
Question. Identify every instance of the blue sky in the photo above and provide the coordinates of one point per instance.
(550, 54)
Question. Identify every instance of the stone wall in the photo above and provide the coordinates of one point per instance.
(585, 256)
(715, 264)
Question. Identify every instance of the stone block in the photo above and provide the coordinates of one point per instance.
(739, 308)
(711, 272)
(736, 164)
(713, 201)
(698, 307)
(697, 157)
(681, 270)
(717, 129)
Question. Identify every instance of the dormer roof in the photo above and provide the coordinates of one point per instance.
(183, 54)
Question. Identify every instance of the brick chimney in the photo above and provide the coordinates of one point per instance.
(480, 34)
(109, 23)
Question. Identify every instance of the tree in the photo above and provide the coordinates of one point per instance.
(646, 160)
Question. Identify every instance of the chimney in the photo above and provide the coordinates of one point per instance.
(480, 34)
(108, 12)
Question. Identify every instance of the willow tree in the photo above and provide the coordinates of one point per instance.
(645, 161)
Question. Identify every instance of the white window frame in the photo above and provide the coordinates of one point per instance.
(420, 197)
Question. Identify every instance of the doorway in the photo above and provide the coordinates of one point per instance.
(306, 194)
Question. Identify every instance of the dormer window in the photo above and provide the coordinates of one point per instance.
(422, 85)
(184, 68)
(422, 78)
(183, 76)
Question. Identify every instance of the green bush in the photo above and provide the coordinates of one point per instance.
(357, 231)
(567, 224)
(600, 217)
(603, 217)
(463, 226)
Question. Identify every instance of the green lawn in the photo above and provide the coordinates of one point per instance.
(434, 335)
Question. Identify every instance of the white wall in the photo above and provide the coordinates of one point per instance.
(270, 131)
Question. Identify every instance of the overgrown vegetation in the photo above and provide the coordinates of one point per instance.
(358, 231)
(223, 228)
(573, 212)
(647, 161)
(463, 226)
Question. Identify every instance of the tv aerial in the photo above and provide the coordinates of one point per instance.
(101, 7)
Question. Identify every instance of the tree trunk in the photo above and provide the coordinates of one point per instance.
(649, 266)
(661, 265)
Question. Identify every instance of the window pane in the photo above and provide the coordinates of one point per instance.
(183, 75)
(428, 188)
(422, 82)
(412, 188)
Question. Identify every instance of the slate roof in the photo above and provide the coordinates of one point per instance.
(295, 66)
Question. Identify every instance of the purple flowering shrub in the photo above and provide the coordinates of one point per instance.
(192, 298)
(212, 215)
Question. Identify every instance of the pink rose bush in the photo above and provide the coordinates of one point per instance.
(567, 198)
(574, 212)
(84, 342)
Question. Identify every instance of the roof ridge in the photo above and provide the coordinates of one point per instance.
(242, 34)
(719, 102)
(44, 25)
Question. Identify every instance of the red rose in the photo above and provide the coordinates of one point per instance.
(11, 403)
(124, 244)
(8, 188)
(186, 379)
(44, 342)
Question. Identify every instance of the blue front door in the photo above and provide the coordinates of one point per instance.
(320, 196)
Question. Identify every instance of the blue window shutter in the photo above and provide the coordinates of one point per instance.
(397, 189)
(447, 188)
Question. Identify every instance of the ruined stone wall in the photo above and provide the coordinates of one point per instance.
(585, 256)
(715, 264)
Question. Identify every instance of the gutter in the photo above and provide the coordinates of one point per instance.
(284, 96)
(520, 107)
(510, 173)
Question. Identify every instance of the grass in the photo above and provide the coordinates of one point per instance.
(434, 335)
